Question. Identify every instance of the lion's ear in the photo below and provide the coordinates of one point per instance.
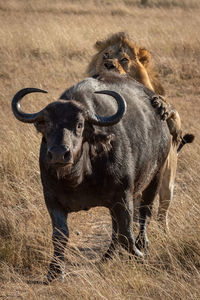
(98, 45)
(144, 56)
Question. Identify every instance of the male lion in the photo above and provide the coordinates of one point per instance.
(118, 53)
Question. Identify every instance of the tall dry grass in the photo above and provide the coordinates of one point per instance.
(48, 44)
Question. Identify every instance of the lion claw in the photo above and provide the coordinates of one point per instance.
(161, 105)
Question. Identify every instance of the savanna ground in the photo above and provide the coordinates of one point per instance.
(48, 44)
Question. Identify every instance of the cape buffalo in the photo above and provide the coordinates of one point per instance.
(92, 155)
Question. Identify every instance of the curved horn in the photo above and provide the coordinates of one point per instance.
(114, 119)
(17, 111)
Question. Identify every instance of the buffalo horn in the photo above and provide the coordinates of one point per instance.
(110, 120)
(16, 108)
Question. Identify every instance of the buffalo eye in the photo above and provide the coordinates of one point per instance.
(78, 129)
(80, 125)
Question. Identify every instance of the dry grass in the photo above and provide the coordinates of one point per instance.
(48, 44)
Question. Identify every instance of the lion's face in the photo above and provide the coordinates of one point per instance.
(122, 59)
(121, 55)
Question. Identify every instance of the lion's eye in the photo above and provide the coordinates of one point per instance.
(124, 59)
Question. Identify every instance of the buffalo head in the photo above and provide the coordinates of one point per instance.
(66, 125)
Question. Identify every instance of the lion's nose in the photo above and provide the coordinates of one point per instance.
(109, 65)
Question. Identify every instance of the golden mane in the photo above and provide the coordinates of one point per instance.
(149, 74)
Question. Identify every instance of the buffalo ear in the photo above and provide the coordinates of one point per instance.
(100, 142)
(144, 56)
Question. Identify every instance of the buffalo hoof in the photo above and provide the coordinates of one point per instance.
(55, 271)
(106, 257)
(137, 253)
(142, 242)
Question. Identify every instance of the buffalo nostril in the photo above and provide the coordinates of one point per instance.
(67, 155)
(49, 154)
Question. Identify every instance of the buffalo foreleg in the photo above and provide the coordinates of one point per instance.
(59, 238)
(114, 240)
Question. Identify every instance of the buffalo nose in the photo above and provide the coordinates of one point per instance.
(59, 154)
(109, 65)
